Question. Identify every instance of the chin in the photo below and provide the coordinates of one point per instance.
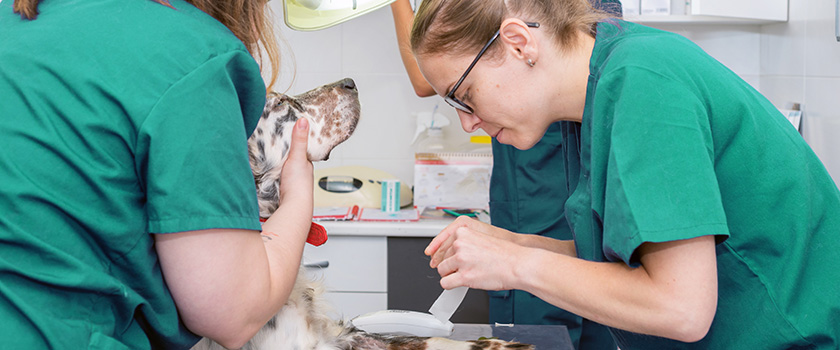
(521, 144)
(517, 140)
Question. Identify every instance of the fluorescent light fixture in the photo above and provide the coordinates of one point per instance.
(307, 15)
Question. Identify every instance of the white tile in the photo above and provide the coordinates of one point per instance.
(369, 44)
(783, 45)
(821, 119)
(781, 90)
(822, 97)
(384, 128)
(753, 80)
(821, 135)
(822, 50)
(736, 46)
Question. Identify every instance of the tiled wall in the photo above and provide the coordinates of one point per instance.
(800, 61)
(364, 49)
(797, 61)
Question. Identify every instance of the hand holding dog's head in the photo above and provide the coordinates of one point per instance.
(332, 111)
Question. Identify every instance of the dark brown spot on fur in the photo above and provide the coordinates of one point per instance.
(408, 343)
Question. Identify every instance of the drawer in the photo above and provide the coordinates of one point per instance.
(350, 263)
(347, 305)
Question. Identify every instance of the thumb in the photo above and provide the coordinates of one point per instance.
(300, 137)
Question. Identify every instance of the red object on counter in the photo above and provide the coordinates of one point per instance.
(317, 235)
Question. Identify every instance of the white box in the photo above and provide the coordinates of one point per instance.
(631, 8)
(452, 180)
(656, 7)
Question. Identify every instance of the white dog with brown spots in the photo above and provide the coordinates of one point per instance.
(303, 323)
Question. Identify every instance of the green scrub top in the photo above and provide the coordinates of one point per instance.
(673, 145)
(527, 192)
(119, 118)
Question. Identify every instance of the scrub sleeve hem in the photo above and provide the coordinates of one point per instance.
(627, 253)
(194, 223)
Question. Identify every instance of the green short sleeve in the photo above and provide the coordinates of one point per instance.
(193, 154)
(660, 179)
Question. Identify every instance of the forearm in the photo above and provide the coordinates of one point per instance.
(403, 18)
(565, 247)
(284, 235)
(676, 304)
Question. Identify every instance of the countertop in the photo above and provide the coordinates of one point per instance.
(429, 225)
(421, 228)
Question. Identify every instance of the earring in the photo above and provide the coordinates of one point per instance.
(531, 63)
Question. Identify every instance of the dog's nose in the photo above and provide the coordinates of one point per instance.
(348, 84)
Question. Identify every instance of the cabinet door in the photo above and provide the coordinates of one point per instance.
(774, 10)
(350, 263)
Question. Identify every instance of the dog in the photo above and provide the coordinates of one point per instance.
(333, 112)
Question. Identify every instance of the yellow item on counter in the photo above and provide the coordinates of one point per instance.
(480, 139)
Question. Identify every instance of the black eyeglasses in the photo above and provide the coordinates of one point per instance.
(450, 97)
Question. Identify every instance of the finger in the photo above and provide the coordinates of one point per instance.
(444, 234)
(452, 280)
(435, 244)
(446, 248)
(300, 137)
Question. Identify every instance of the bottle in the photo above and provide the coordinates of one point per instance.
(430, 127)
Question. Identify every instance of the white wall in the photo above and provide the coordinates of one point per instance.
(364, 49)
(798, 61)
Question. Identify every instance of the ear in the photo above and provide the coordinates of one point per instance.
(519, 39)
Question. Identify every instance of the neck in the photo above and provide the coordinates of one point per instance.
(573, 76)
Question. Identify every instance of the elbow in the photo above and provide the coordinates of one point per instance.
(690, 326)
(227, 333)
(691, 331)
(232, 343)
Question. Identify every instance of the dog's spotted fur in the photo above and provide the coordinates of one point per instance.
(332, 111)
(303, 323)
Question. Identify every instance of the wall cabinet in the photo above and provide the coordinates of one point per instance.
(720, 12)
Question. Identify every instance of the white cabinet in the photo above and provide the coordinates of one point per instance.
(769, 10)
(353, 264)
(722, 12)
(354, 271)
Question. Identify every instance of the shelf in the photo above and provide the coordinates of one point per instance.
(697, 20)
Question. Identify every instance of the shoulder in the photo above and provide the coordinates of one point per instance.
(621, 45)
(183, 29)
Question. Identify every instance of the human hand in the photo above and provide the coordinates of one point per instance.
(296, 179)
(474, 254)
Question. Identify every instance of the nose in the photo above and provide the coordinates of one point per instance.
(348, 84)
(468, 121)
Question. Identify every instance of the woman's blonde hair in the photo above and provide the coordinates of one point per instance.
(249, 20)
(444, 26)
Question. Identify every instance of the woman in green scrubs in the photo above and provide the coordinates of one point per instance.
(521, 183)
(698, 213)
(128, 212)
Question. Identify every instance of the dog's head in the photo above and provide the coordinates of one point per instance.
(333, 112)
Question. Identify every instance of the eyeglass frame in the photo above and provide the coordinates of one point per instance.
(450, 97)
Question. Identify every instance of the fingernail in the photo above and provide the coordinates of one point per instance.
(303, 123)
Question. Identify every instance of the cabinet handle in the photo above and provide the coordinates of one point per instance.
(318, 264)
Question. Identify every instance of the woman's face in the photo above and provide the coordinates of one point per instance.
(502, 92)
